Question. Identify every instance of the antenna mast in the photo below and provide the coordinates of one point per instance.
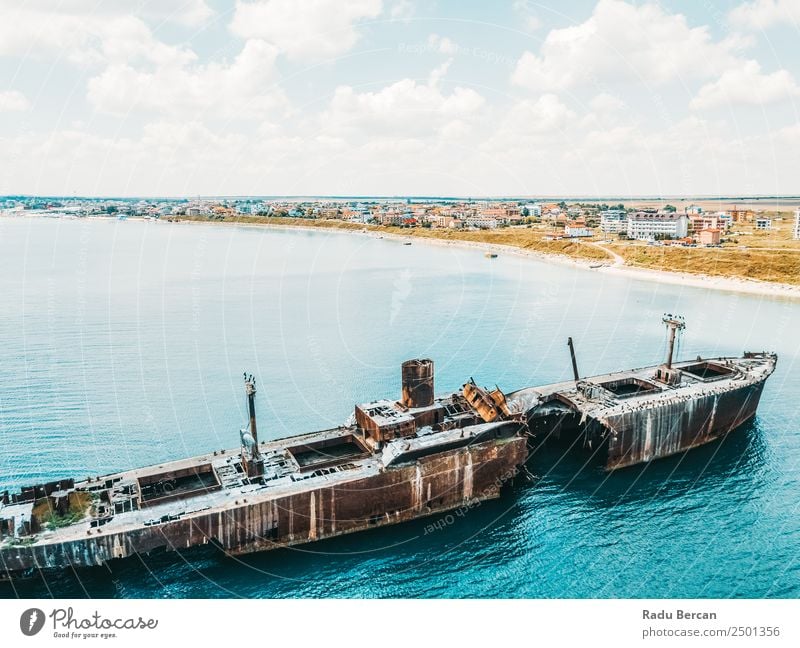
(251, 453)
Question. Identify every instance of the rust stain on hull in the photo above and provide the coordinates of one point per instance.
(433, 484)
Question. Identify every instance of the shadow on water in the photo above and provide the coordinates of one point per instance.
(740, 454)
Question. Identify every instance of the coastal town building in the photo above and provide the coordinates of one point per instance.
(763, 223)
(613, 221)
(577, 231)
(796, 230)
(534, 210)
(450, 222)
(700, 222)
(648, 226)
(710, 236)
(391, 218)
(481, 221)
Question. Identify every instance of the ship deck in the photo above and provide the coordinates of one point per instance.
(215, 482)
(230, 491)
(623, 391)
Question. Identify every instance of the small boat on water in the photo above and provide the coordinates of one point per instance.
(407, 243)
(490, 255)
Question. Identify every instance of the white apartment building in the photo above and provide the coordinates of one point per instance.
(576, 232)
(534, 209)
(796, 229)
(613, 221)
(645, 226)
(481, 222)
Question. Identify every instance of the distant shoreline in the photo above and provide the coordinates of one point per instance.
(727, 284)
(721, 283)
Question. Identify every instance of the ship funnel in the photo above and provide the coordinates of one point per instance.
(417, 377)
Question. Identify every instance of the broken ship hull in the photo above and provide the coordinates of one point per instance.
(673, 427)
(629, 418)
(262, 521)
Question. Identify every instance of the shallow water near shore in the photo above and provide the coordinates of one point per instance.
(124, 344)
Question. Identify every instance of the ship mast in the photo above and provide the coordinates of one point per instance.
(574, 362)
(675, 323)
(253, 461)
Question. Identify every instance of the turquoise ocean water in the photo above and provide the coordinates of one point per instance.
(124, 343)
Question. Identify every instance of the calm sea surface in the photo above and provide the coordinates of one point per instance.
(124, 343)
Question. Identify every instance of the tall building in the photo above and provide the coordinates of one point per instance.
(647, 226)
(796, 230)
(613, 221)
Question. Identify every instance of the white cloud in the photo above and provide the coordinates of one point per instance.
(761, 14)
(167, 158)
(245, 87)
(401, 10)
(746, 85)
(312, 30)
(80, 35)
(621, 42)
(192, 13)
(606, 103)
(13, 101)
(406, 108)
(532, 126)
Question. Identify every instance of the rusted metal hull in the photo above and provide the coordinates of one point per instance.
(643, 435)
(432, 484)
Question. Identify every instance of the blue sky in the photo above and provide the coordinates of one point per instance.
(392, 97)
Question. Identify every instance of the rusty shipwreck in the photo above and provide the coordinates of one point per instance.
(393, 461)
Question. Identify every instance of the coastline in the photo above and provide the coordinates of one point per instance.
(611, 266)
(727, 284)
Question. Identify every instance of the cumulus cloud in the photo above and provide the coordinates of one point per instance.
(746, 84)
(13, 101)
(406, 108)
(761, 14)
(314, 30)
(245, 87)
(532, 125)
(82, 32)
(401, 10)
(620, 41)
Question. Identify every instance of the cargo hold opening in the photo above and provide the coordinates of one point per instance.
(707, 370)
(177, 484)
(628, 387)
(327, 452)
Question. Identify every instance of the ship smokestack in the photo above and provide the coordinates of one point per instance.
(574, 362)
(417, 379)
